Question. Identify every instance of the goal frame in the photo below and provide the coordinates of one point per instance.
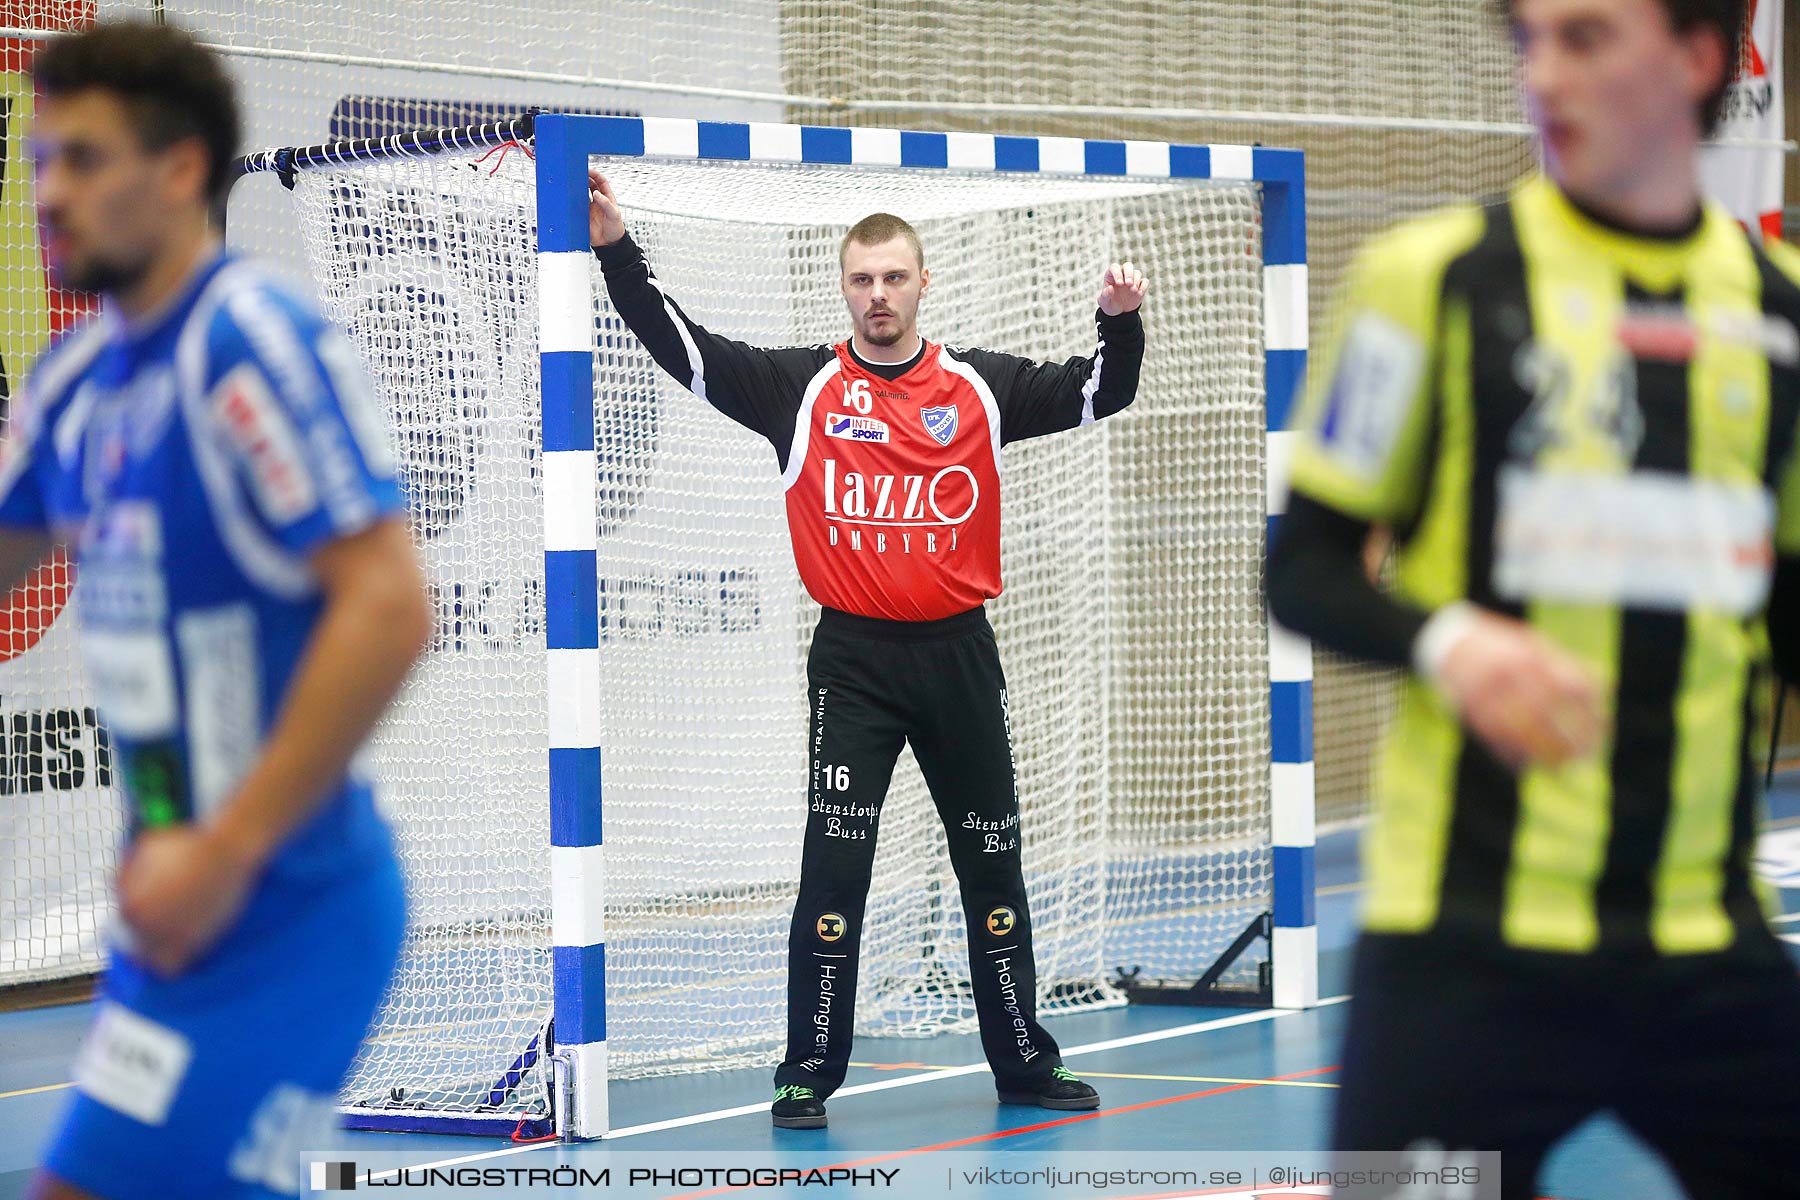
(563, 145)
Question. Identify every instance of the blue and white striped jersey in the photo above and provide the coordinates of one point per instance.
(193, 461)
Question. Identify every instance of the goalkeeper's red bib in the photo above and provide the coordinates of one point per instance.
(893, 489)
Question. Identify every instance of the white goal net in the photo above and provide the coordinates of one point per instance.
(1131, 626)
(1398, 104)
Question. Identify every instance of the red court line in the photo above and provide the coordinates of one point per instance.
(1006, 1133)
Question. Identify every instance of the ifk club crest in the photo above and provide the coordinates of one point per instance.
(940, 422)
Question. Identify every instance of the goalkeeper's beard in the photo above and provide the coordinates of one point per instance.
(875, 337)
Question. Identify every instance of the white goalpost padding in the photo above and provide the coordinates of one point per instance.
(622, 633)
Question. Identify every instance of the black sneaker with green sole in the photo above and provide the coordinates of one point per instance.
(797, 1108)
(1062, 1090)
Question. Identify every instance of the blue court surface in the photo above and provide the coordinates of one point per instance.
(1171, 1079)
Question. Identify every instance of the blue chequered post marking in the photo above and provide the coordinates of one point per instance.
(1291, 781)
(572, 634)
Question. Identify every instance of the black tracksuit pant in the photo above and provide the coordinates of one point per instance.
(1458, 1044)
(874, 685)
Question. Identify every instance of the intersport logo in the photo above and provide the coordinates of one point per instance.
(946, 498)
(856, 429)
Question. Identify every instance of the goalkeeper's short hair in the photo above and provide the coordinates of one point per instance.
(877, 228)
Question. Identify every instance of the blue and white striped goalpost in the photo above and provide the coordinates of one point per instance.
(1294, 938)
(564, 145)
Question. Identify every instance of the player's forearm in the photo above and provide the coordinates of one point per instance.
(1043, 398)
(1120, 358)
(373, 628)
(648, 312)
(1318, 587)
(627, 274)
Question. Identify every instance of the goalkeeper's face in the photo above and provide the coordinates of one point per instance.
(110, 207)
(883, 285)
(1615, 89)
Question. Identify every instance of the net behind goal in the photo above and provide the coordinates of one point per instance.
(622, 634)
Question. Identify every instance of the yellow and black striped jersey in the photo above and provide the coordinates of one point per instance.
(1592, 431)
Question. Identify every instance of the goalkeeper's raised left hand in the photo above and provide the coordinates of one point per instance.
(606, 220)
(1122, 289)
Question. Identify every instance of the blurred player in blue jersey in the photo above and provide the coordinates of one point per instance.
(250, 602)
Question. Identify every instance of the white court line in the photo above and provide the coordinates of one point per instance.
(1159, 1035)
(722, 1114)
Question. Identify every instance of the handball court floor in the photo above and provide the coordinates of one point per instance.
(1192, 1079)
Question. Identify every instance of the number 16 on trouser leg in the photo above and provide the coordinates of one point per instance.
(854, 741)
(966, 757)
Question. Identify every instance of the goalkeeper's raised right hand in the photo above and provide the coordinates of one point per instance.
(606, 223)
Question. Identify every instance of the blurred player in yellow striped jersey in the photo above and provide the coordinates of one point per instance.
(1576, 409)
